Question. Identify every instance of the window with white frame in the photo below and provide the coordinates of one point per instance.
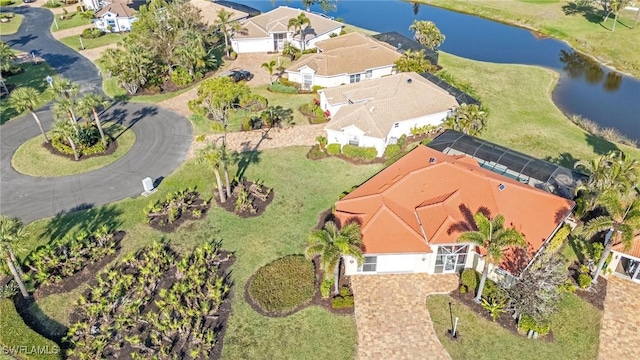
(354, 78)
(368, 74)
(369, 264)
(451, 258)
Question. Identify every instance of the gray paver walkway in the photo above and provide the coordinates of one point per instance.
(392, 317)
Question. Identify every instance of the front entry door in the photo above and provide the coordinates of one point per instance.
(278, 41)
(450, 263)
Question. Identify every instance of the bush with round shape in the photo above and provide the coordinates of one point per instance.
(392, 150)
(360, 153)
(334, 149)
(92, 33)
(284, 284)
(469, 280)
(584, 281)
(181, 77)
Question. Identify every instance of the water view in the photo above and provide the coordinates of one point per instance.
(585, 88)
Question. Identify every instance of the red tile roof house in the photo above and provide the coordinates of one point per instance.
(626, 263)
(413, 211)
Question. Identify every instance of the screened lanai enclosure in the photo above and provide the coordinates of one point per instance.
(510, 163)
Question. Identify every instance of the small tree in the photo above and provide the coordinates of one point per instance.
(11, 234)
(299, 25)
(469, 119)
(24, 99)
(67, 130)
(270, 66)
(494, 238)
(227, 25)
(90, 104)
(427, 34)
(332, 244)
(414, 61)
(210, 156)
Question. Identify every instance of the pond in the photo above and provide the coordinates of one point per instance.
(585, 88)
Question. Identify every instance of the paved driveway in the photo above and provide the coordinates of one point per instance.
(392, 317)
(620, 331)
(253, 62)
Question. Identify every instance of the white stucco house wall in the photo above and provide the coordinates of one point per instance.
(268, 32)
(344, 59)
(412, 212)
(625, 262)
(115, 17)
(379, 111)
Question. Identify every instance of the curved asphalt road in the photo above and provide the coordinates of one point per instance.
(162, 139)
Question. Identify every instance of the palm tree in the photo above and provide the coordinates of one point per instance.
(332, 244)
(66, 129)
(90, 103)
(469, 119)
(65, 89)
(414, 61)
(7, 57)
(11, 233)
(24, 99)
(270, 66)
(427, 34)
(614, 7)
(226, 157)
(64, 108)
(494, 238)
(622, 221)
(298, 24)
(227, 26)
(210, 156)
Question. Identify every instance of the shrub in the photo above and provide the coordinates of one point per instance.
(558, 239)
(495, 308)
(395, 158)
(287, 82)
(283, 284)
(14, 333)
(325, 288)
(459, 84)
(527, 323)
(344, 300)
(181, 77)
(253, 102)
(469, 280)
(47, 4)
(584, 280)
(322, 141)
(280, 88)
(233, 55)
(92, 33)
(425, 142)
(392, 150)
(6, 2)
(568, 287)
(316, 153)
(9, 290)
(494, 292)
(315, 88)
(334, 149)
(200, 138)
(361, 153)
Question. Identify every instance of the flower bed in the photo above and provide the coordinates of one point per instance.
(178, 207)
(152, 305)
(248, 199)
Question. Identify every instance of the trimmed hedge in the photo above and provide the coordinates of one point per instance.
(316, 153)
(527, 323)
(558, 239)
(92, 33)
(14, 333)
(278, 87)
(361, 153)
(283, 284)
(334, 149)
(392, 150)
(469, 280)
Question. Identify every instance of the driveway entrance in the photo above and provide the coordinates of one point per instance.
(620, 329)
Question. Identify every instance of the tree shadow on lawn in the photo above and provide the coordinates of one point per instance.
(600, 146)
(590, 13)
(565, 159)
(85, 217)
(38, 321)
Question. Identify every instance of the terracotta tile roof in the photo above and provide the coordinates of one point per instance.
(363, 54)
(442, 197)
(634, 250)
(276, 20)
(377, 104)
(119, 8)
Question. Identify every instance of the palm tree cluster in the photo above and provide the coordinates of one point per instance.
(169, 41)
(11, 235)
(227, 25)
(7, 58)
(299, 25)
(469, 119)
(427, 34)
(218, 158)
(611, 190)
(414, 61)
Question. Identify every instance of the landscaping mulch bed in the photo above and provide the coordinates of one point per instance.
(506, 321)
(83, 276)
(161, 222)
(317, 299)
(111, 148)
(595, 294)
(259, 205)
(168, 86)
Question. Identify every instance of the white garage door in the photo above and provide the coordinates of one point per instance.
(395, 263)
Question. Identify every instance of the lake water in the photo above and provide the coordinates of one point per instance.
(585, 88)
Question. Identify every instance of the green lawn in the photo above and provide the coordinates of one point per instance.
(106, 39)
(309, 188)
(73, 19)
(33, 75)
(12, 26)
(33, 159)
(581, 27)
(522, 115)
(576, 329)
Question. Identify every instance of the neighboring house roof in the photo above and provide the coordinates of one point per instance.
(417, 197)
(634, 250)
(377, 104)
(120, 9)
(347, 54)
(277, 20)
(210, 10)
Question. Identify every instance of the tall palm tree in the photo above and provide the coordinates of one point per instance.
(65, 89)
(64, 107)
(226, 157)
(210, 156)
(7, 57)
(90, 104)
(332, 244)
(299, 25)
(469, 119)
(11, 233)
(227, 26)
(614, 7)
(270, 66)
(24, 99)
(494, 238)
(427, 34)
(622, 220)
(67, 130)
